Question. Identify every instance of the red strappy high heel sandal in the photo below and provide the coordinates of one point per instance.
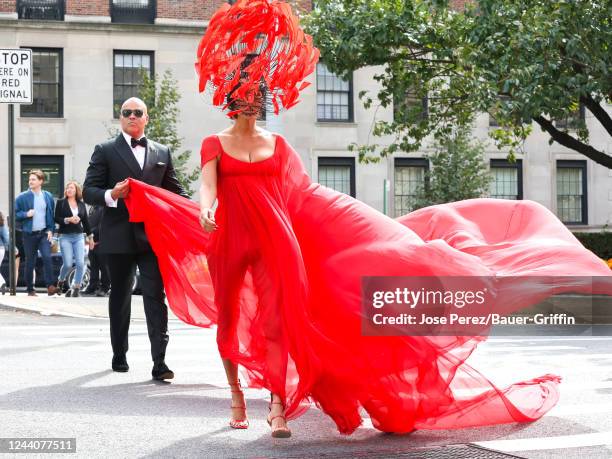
(242, 423)
(280, 432)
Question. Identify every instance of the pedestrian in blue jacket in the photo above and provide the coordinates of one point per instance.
(34, 209)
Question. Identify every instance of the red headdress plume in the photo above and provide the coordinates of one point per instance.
(255, 42)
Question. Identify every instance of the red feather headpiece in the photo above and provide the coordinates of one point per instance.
(267, 33)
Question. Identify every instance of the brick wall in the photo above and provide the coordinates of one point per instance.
(8, 6)
(191, 10)
(88, 8)
(458, 4)
(201, 10)
(303, 5)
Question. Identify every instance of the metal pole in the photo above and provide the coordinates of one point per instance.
(385, 195)
(11, 171)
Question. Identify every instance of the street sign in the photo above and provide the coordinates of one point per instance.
(15, 76)
(15, 88)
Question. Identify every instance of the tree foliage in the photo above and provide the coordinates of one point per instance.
(519, 60)
(458, 171)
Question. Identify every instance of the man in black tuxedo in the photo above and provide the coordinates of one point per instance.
(125, 244)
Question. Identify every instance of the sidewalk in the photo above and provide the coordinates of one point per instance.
(84, 306)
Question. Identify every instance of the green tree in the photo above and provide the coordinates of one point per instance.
(521, 61)
(162, 98)
(458, 171)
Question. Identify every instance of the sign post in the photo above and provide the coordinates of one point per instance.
(15, 88)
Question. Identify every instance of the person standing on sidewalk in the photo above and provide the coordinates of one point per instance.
(4, 245)
(34, 209)
(99, 277)
(71, 216)
(131, 155)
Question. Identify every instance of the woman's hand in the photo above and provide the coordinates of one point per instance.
(207, 220)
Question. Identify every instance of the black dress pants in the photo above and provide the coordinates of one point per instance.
(122, 268)
(98, 271)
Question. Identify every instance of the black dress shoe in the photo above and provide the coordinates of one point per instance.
(120, 364)
(161, 371)
(89, 291)
(102, 292)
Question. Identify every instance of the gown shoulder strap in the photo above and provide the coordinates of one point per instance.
(211, 148)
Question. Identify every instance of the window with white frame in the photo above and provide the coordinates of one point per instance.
(334, 96)
(409, 180)
(572, 191)
(507, 180)
(338, 173)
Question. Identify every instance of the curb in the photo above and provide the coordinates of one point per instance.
(48, 312)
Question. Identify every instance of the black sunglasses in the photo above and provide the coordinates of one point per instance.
(127, 112)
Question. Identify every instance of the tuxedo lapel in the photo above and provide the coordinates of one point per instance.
(150, 160)
(125, 153)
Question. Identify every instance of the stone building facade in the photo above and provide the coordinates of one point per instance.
(86, 56)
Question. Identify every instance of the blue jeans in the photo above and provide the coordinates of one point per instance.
(32, 243)
(73, 251)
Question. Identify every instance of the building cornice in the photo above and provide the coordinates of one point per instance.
(74, 24)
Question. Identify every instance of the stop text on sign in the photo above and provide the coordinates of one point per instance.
(16, 76)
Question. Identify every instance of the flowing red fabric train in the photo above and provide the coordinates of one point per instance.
(281, 279)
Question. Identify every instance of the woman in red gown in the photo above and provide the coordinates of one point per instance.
(279, 264)
(244, 182)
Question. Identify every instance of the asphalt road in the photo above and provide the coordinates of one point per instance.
(58, 383)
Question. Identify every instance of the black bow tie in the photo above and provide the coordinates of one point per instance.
(142, 142)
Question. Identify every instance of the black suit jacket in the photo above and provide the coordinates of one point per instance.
(62, 210)
(112, 162)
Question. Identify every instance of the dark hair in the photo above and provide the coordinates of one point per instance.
(38, 173)
(232, 102)
(1, 219)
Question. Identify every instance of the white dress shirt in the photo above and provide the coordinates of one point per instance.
(139, 153)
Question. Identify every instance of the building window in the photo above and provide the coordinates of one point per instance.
(414, 107)
(44, 10)
(334, 96)
(127, 76)
(573, 121)
(51, 165)
(338, 173)
(47, 83)
(409, 177)
(133, 11)
(507, 180)
(572, 192)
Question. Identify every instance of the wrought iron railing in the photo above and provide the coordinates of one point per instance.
(133, 11)
(47, 10)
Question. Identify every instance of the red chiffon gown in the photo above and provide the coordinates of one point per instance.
(281, 279)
